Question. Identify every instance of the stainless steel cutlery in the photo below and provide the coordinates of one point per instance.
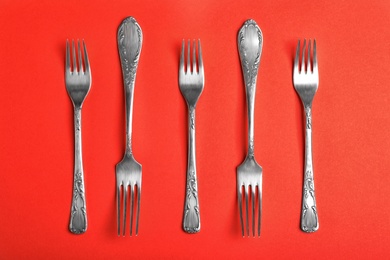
(305, 78)
(78, 83)
(129, 171)
(191, 82)
(250, 173)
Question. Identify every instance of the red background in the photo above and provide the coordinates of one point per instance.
(351, 125)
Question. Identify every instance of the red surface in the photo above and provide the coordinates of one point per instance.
(351, 123)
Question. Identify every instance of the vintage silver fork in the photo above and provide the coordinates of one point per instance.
(306, 84)
(129, 171)
(191, 82)
(250, 173)
(78, 83)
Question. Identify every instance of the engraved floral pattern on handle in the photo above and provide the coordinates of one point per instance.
(309, 217)
(309, 221)
(191, 221)
(78, 220)
(78, 217)
(191, 214)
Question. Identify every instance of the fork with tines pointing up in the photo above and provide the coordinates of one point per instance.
(250, 173)
(191, 82)
(78, 83)
(306, 84)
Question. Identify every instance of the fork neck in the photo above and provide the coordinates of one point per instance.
(77, 131)
(191, 137)
(250, 98)
(129, 118)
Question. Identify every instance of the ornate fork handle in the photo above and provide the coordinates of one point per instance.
(78, 218)
(129, 44)
(191, 221)
(250, 42)
(309, 217)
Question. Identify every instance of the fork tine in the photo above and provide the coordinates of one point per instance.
(315, 68)
(124, 207)
(253, 189)
(67, 62)
(296, 60)
(194, 57)
(86, 60)
(246, 209)
(303, 56)
(118, 204)
(308, 57)
(259, 199)
(200, 60)
(74, 57)
(131, 208)
(181, 66)
(188, 57)
(239, 191)
(138, 207)
(79, 57)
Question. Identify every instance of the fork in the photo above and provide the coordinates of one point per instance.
(306, 84)
(129, 171)
(191, 82)
(78, 83)
(250, 173)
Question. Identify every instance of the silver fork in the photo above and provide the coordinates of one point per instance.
(78, 83)
(306, 84)
(129, 171)
(250, 173)
(191, 82)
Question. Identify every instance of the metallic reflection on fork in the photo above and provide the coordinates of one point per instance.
(129, 171)
(250, 173)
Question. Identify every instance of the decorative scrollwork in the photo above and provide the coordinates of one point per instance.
(250, 66)
(309, 210)
(129, 60)
(308, 117)
(78, 213)
(191, 214)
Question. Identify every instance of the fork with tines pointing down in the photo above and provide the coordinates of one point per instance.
(250, 173)
(129, 171)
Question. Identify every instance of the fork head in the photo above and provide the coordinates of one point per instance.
(305, 77)
(191, 79)
(128, 183)
(77, 76)
(249, 179)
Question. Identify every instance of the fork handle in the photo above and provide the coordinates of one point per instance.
(78, 215)
(191, 221)
(309, 217)
(129, 40)
(250, 44)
